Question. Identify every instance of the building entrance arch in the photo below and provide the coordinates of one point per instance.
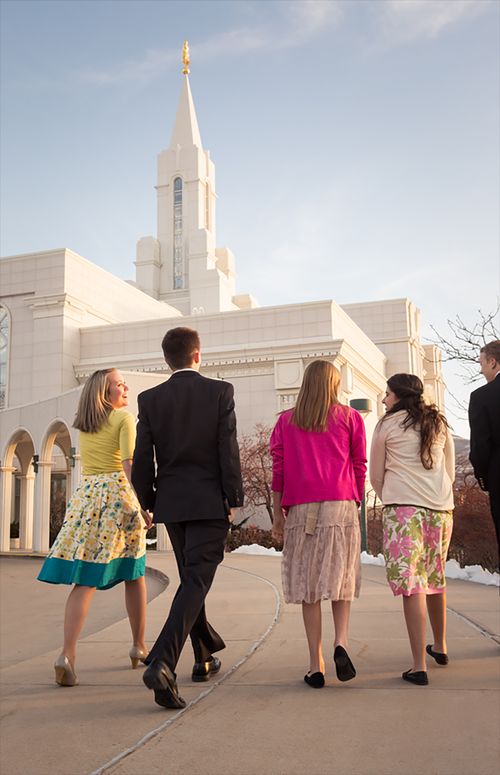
(54, 483)
(17, 486)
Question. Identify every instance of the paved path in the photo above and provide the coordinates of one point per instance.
(258, 717)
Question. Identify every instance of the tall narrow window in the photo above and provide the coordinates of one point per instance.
(207, 206)
(4, 350)
(178, 238)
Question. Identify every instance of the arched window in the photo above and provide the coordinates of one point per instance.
(178, 237)
(4, 353)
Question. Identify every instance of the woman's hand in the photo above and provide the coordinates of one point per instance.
(278, 526)
(148, 519)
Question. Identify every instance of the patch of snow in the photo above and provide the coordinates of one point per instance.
(256, 549)
(474, 573)
(369, 559)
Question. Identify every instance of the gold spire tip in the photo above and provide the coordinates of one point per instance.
(185, 58)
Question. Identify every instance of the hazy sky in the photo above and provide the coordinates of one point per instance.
(356, 143)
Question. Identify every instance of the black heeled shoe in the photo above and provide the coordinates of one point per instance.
(315, 680)
(343, 665)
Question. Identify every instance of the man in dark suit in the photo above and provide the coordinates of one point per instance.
(484, 419)
(187, 424)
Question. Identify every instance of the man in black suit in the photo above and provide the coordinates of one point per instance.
(187, 424)
(484, 420)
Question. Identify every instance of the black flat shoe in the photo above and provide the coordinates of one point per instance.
(203, 670)
(343, 665)
(315, 680)
(419, 677)
(161, 680)
(441, 659)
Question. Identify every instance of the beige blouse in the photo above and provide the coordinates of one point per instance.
(396, 471)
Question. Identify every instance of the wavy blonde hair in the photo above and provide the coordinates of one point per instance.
(94, 406)
(318, 393)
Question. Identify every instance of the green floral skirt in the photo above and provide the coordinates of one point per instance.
(103, 539)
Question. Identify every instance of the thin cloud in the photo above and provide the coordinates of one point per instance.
(408, 20)
(298, 23)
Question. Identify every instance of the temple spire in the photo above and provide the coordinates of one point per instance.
(186, 131)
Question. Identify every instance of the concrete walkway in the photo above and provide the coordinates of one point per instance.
(258, 717)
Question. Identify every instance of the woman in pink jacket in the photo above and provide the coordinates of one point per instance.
(319, 464)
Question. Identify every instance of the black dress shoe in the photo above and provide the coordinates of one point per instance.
(441, 659)
(315, 680)
(160, 678)
(418, 677)
(343, 665)
(203, 670)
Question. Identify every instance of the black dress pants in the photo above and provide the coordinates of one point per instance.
(495, 513)
(199, 548)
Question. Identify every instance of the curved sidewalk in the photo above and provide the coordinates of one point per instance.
(261, 719)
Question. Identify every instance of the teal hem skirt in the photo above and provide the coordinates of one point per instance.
(92, 574)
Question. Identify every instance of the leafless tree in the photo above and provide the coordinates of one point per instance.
(463, 342)
(256, 468)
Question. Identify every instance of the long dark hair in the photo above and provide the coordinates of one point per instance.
(425, 418)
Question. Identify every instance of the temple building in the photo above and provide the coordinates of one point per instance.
(62, 317)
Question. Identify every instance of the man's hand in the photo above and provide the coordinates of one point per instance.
(148, 519)
(233, 513)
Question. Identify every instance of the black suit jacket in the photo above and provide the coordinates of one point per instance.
(188, 425)
(484, 420)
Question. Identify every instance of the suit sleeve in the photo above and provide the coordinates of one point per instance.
(480, 440)
(228, 450)
(143, 466)
(377, 461)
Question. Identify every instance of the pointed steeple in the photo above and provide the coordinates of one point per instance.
(186, 131)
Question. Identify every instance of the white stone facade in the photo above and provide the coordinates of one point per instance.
(63, 317)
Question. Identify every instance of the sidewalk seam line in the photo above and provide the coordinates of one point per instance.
(155, 732)
(479, 627)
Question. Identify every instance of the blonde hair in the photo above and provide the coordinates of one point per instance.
(94, 406)
(318, 393)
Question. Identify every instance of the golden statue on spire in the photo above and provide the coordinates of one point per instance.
(185, 58)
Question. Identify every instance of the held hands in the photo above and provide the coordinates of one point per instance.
(148, 519)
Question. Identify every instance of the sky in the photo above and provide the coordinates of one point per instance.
(356, 143)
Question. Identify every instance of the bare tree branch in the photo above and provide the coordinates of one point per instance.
(463, 342)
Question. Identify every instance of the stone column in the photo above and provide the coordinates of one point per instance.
(6, 479)
(42, 507)
(26, 510)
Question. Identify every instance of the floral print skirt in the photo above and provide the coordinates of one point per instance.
(102, 540)
(415, 542)
(321, 545)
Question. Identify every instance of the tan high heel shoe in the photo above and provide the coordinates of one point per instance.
(137, 655)
(65, 673)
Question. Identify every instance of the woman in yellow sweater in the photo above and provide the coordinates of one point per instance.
(412, 468)
(103, 538)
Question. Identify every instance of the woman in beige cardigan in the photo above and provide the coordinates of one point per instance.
(412, 468)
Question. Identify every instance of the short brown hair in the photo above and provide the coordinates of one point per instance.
(318, 393)
(492, 350)
(179, 346)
